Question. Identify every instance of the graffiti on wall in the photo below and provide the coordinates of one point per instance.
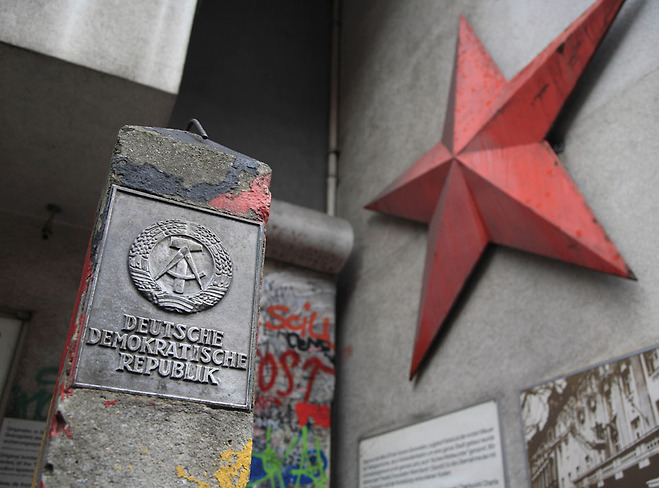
(33, 403)
(295, 381)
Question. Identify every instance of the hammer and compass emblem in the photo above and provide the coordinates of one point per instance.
(180, 266)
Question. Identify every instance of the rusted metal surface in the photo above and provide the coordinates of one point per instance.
(494, 179)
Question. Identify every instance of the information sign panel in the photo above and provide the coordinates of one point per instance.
(458, 450)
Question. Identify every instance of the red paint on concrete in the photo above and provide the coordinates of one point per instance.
(110, 403)
(493, 178)
(319, 413)
(346, 352)
(59, 426)
(257, 198)
(70, 355)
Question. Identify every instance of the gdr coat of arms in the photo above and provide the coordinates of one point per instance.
(180, 266)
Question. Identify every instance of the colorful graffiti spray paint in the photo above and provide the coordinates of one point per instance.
(295, 380)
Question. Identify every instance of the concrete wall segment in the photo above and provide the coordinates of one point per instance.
(308, 238)
(525, 318)
(145, 42)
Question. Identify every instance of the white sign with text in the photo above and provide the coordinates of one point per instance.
(19, 449)
(457, 450)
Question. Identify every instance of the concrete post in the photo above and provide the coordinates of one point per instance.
(155, 385)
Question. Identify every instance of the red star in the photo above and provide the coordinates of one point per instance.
(494, 179)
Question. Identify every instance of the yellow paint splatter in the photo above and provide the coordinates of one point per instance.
(234, 467)
(183, 473)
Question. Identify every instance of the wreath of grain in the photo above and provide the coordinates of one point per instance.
(138, 266)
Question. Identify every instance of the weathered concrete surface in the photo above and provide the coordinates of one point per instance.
(527, 318)
(187, 449)
(68, 116)
(308, 238)
(144, 42)
(114, 439)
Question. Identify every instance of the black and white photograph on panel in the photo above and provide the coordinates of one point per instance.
(597, 427)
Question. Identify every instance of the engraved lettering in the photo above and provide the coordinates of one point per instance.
(130, 321)
(193, 331)
(205, 336)
(154, 327)
(125, 360)
(242, 361)
(218, 357)
(217, 338)
(143, 349)
(208, 375)
(165, 367)
(143, 325)
(206, 355)
(171, 350)
(179, 331)
(191, 372)
(106, 338)
(93, 335)
(184, 350)
(138, 365)
(160, 347)
(194, 354)
(178, 368)
(147, 343)
(119, 339)
(134, 342)
(168, 329)
(151, 364)
(230, 359)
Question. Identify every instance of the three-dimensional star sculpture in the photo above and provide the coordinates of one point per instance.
(494, 179)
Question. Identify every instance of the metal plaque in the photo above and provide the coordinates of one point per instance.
(173, 308)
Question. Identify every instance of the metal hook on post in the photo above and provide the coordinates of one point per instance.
(47, 229)
(195, 123)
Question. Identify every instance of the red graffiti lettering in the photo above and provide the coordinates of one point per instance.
(269, 368)
(268, 360)
(317, 365)
(286, 367)
(319, 413)
(282, 319)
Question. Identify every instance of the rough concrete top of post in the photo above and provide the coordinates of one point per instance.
(183, 166)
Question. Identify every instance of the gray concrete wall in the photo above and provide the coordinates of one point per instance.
(144, 42)
(526, 318)
(41, 277)
(257, 77)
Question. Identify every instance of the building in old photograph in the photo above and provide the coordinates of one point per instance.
(599, 428)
